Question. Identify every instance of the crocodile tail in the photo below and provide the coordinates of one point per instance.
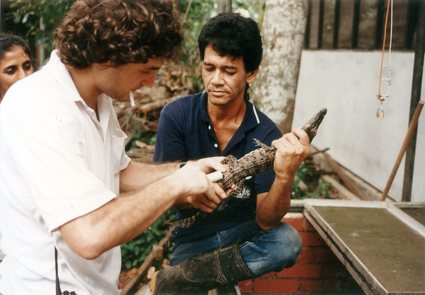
(187, 222)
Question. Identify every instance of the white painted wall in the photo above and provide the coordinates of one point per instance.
(346, 83)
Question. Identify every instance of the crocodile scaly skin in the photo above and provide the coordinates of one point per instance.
(253, 163)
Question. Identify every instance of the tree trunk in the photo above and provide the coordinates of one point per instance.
(283, 32)
(224, 6)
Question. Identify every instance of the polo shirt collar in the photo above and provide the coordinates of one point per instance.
(203, 106)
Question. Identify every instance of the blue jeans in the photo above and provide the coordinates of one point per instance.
(263, 251)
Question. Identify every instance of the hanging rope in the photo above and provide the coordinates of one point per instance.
(381, 97)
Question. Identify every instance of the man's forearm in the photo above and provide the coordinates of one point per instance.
(139, 175)
(128, 215)
(273, 206)
(121, 219)
(292, 149)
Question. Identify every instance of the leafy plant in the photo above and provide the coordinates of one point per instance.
(134, 252)
(145, 136)
(41, 17)
(254, 7)
(316, 187)
(194, 15)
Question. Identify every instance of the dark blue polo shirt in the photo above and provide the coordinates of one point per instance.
(185, 132)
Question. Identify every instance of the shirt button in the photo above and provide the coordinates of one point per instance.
(209, 127)
(215, 145)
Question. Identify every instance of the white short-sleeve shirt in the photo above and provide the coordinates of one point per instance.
(57, 163)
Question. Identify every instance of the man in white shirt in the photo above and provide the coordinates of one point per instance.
(65, 181)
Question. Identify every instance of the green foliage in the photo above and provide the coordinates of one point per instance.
(145, 136)
(255, 8)
(316, 187)
(322, 189)
(41, 17)
(195, 14)
(134, 252)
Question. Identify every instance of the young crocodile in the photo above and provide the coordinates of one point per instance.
(253, 163)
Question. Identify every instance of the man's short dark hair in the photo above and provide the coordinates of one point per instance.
(233, 35)
(119, 31)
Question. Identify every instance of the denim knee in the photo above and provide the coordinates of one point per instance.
(272, 250)
(289, 241)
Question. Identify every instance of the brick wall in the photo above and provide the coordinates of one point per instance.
(317, 270)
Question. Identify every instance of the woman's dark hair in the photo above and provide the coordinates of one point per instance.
(231, 34)
(7, 41)
(234, 35)
(119, 31)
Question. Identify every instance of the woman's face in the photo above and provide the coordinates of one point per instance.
(14, 65)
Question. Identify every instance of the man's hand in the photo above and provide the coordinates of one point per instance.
(292, 149)
(200, 192)
(209, 164)
(206, 204)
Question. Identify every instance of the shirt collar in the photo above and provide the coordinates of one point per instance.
(62, 76)
(203, 106)
(251, 117)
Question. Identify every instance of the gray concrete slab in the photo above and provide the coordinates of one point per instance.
(382, 247)
(416, 213)
(414, 210)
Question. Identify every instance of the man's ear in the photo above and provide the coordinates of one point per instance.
(251, 75)
(105, 65)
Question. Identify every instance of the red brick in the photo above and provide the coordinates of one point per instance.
(335, 270)
(296, 222)
(276, 286)
(319, 286)
(301, 271)
(269, 275)
(314, 255)
(311, 239)
(331, 285)
(246, 286)
(309, 226)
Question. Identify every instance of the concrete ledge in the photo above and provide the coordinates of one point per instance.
(381, 246)
(317, 270)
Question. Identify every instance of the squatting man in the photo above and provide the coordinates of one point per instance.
(246, 238)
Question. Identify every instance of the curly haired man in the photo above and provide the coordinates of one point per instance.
(69, 194)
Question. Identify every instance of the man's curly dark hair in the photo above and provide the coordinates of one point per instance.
(234, 35)
(118, 31)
